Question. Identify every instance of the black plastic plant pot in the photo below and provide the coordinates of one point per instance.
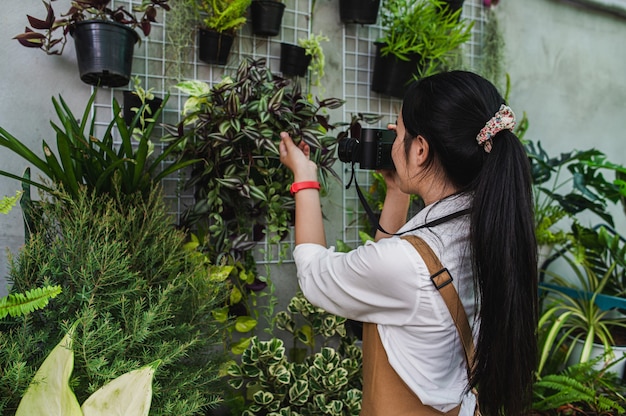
(293, 60)
(104, 51)
(391, 75)
(363, 12)
(266, 17)
(454, 5)
(214, 47)
(131, 101)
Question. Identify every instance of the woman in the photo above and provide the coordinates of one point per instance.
(454, 148)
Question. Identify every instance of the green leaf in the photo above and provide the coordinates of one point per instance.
(17, 304)
(8, 202)
(245, 324)
(49, 392)
(130, 394)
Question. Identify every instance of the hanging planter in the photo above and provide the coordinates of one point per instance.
(392, 75)
(104, 51)
(266, 16)
(214, 47)
(131, 100)
(363, 12)
(454, 5)
(293, 60)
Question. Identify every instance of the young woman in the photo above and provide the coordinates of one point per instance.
(455, 148)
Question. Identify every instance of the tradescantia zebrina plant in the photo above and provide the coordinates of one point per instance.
(233, 129)
(241, 189)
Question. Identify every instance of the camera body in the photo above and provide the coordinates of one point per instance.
(372, 150)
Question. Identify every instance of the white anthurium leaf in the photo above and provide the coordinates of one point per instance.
(128, 395)
(49, 392)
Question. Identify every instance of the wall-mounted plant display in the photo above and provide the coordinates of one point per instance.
(231, 130)
(419, 39)
(266, 17)
(104, 37)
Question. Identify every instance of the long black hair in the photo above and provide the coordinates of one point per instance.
(448, 110)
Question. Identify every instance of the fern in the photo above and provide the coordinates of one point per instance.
(8, 202)
(18, 304)
(579, 384)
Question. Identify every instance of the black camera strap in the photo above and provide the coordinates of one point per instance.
(374, 221)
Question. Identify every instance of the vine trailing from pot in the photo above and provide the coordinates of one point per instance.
(241, 189)
(104, 36)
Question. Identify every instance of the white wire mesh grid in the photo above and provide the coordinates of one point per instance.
(152, 66)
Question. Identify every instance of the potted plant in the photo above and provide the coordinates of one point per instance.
(575, 313)
(294, 60)
(219, 24)
(419, 39)
(363, 12)
(266, 17)
(104, 37)
(231, 129)
(139, 99)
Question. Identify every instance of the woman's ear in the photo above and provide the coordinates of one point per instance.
(420, 150)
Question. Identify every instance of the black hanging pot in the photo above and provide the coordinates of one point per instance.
(131, 100)
(293, 60)
(363, 12)
(214, 47)
(453, 5)
(392, 75)
(266, 16)
(104, 51)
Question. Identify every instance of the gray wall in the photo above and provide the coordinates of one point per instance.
(566, 65)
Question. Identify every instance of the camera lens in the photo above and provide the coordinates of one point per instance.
(348, 150)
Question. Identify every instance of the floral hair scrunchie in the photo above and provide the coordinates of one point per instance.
(504, 119)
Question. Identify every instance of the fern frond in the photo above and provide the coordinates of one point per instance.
(562, 390)
(17, 304)
(8, 202)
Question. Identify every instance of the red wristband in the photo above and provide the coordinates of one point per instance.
(298, 186)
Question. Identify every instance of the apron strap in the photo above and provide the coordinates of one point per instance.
(442, 280)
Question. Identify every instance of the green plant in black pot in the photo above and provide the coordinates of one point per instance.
(104, 36)
(219, 22)
(419, 39)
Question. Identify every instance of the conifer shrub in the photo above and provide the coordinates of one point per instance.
(137, 293)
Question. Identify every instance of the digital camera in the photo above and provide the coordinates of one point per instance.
(372, 150)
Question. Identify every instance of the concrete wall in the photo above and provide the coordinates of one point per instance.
(566, 65)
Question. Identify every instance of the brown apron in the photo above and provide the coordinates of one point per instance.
(384, 392)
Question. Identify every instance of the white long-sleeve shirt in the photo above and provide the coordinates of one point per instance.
(388, 283)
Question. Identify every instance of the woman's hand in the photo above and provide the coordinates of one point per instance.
(296, 158)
